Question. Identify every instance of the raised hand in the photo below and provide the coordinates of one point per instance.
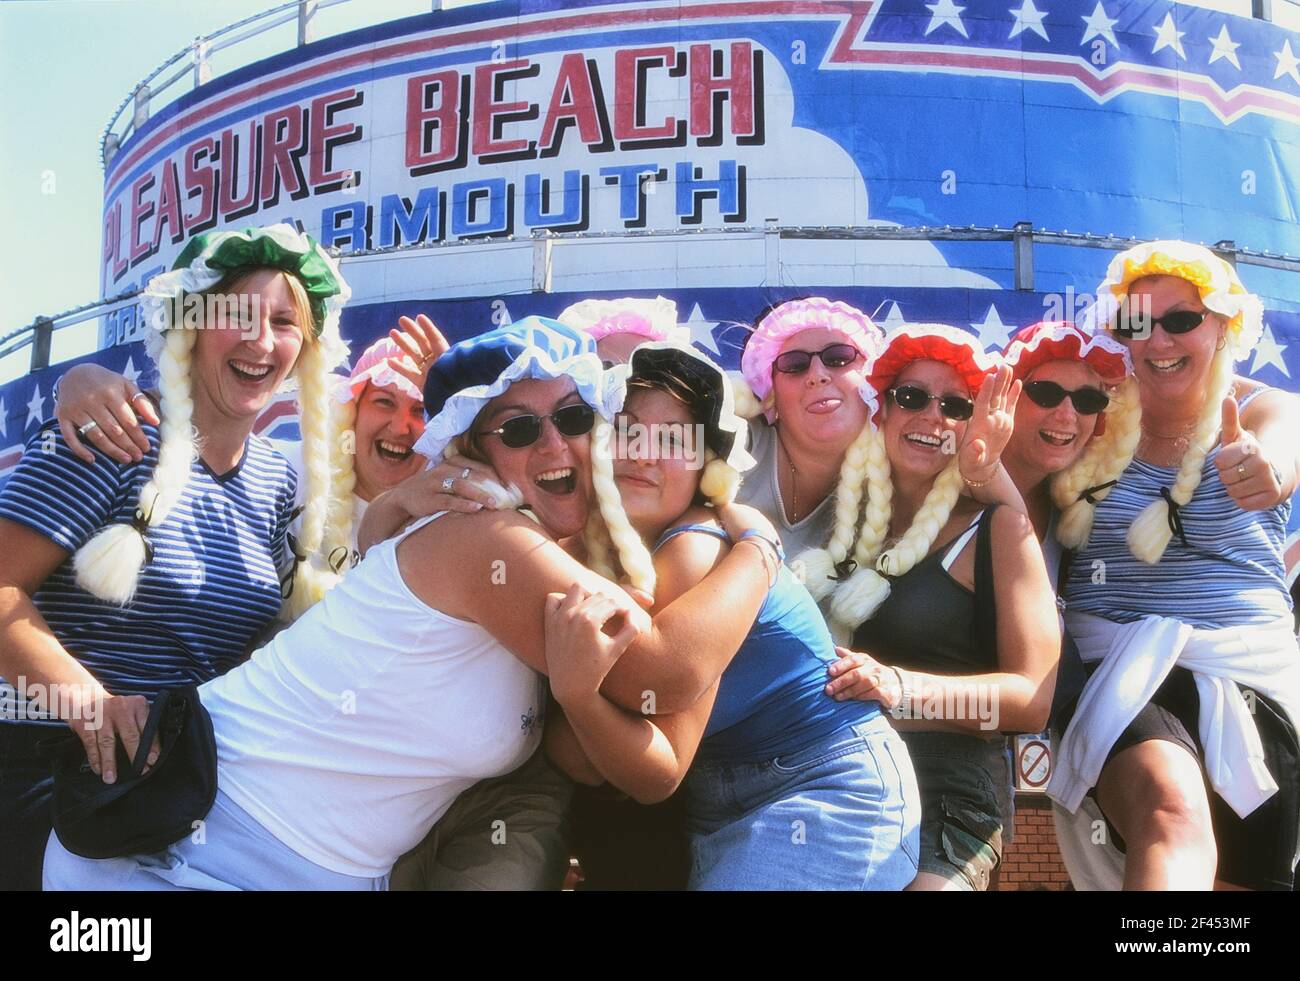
(423, 343)
(990, 428)
(1252, 482)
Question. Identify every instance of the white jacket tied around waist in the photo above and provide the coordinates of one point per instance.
(350, 734)
(1136, 657)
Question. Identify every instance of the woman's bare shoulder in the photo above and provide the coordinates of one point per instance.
(456, 532)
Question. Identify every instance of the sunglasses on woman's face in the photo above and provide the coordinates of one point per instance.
(520, 431)
(1132, 323)
(915, 399)
(832, 356)
(1087, 401)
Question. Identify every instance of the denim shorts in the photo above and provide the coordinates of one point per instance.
(841, 813)
(966, 805)
(232, 852)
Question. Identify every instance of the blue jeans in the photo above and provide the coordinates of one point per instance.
(233, 852)
(842, 813)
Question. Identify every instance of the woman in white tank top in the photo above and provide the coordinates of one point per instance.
(346, 737)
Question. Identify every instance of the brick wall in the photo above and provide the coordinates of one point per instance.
(1033, 861)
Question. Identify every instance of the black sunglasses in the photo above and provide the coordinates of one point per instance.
(1087, 401)
(1129, 323)
(915, 399)
(832, 356)
(520, 431)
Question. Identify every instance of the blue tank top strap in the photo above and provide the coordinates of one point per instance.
(704, 529)
(1250, 397)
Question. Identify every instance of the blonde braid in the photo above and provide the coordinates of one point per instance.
(1150, 533)
(312, 577)
(632, 551)
(929, 521)
(599, 546)
(820, 564)
(1104, 460)
(860, 596)
(343, 477)
(108, 566)
(747, 405)
(720, 481)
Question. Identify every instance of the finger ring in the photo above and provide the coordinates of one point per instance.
(1241, 471)
(139, 395)
(87, 428)
(447, 484)
(464, 473)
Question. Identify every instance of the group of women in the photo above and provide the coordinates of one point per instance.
(759, 673)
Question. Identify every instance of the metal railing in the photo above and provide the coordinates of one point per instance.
(194, 61)
(1023, 237)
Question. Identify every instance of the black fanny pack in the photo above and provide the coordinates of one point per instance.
(141, 812)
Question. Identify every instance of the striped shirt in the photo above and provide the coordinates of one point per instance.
(213, 583)
(1229, 574)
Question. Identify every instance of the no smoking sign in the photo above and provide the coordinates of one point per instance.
(1033, 762)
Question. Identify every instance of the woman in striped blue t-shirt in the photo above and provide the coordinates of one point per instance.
(1177, 596)
(124, 579)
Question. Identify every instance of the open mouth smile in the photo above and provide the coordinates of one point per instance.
(923, 440)
(1167, 366)
(1055, 437)
(561, 481)
(391, 451)
(249, 373)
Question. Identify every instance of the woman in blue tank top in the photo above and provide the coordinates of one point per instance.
(1177, 596)
(788, 789)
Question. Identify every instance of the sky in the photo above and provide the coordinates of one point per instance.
(65, 67)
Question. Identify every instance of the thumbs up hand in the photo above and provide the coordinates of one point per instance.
(1252, 482)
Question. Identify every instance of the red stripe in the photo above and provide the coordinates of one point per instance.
(1228, 107)
(275, 412)
(497, 32)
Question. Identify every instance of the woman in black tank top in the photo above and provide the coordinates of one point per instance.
(957, 653)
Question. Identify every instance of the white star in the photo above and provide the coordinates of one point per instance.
(945, 12)
(1269, 351)
(993, 332)
(1168, 36)
(702, 331)
(1286, 63)
(893, 319)
(4, 420)
(35, 408)
(1099, 25)
(1029, 18)
(1224, 47)
(130, 372)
